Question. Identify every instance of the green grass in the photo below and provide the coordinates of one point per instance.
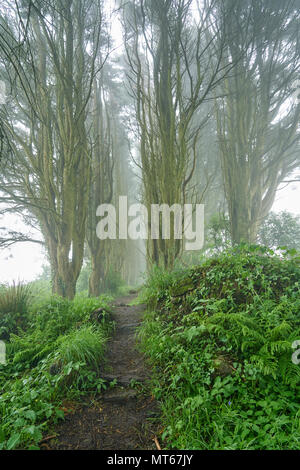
(219, 337)
(15, 299)
(85, 345)
(53, 358)
(14, 305)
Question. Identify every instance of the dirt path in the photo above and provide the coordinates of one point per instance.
(118, 419)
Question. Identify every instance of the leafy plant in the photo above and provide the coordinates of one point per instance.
(15, 299)
(281, 229)
(14, 305)
(57, 357)
(220, 341)
(85, 345)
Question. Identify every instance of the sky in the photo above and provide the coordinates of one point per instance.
(22, 261)
(288, 198)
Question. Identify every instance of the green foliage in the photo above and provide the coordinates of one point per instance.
(15, 299)
(281, 229)
(84, 345)
(220, 342)
(158, 283)
(113, 282)
(57, 358)
(83, 279)
(46, 273)
(277, 230)
(40, 290)
(218, 233)
(14, 304)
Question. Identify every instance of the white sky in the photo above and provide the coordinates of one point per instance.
(22, 261)
(288, 198)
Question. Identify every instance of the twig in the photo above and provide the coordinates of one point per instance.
(47, 438)
(157, 443)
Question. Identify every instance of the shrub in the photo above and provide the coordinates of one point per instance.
(158, 283)
(221, 345)
(281, 229)
(14, 305)
(56, 358)
(15, 299)
(112, 282)
(85, 345)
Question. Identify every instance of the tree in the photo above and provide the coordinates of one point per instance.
(173, 68)
(279, 230)
(47, 126)
(257, 124)
(101, 183)
(12, 48)
(110, 177)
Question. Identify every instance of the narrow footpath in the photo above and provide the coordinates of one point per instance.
(121, 417)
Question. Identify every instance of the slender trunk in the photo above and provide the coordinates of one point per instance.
(63, 286)
(96, 277)
(64, 271)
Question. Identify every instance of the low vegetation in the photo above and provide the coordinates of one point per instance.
(219, 337)
(54, 349)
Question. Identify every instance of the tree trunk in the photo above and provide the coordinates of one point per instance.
(95, 279)
(63, 286)
(64, 271)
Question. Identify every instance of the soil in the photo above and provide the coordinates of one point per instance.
(121, 417)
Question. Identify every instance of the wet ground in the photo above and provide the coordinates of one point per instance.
(122, 417)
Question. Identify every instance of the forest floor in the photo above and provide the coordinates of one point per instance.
(122, 417)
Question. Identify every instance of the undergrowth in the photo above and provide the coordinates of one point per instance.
(53, 355)
(219, 337)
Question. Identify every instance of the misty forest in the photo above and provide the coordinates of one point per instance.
(143, 147)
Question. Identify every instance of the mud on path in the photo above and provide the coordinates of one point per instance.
(118, 418)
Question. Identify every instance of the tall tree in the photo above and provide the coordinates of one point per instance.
(110, 177)
(101, 183)
(12, 48)
(47, 127)
(174, 67)
(258, 125)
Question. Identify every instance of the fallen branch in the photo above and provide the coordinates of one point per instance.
(157, 443)
(48, 438)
